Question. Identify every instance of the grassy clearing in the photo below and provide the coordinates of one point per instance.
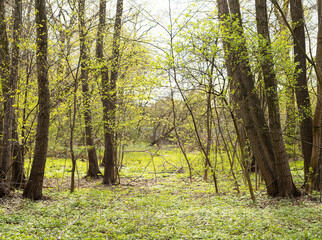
(155, 201)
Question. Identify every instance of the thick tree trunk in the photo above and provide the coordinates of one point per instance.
(6, 153)
(35, 182)
(4, 76)
(93, 170)
(249, 105)
(223, 12)
(253, 115)
(109, 103)
(286, 186)
(301, 90)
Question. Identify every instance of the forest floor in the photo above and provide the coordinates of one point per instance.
(154, 201)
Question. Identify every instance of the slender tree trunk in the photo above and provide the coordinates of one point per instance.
(286, 186)
(17, 171)
(175, 127)
(290, 120)
(109, 103)
(227, 148)
(71, 140)
(223, 14)
(301, 90)
(24, 134)
(315, 176)
(103, 68)
(35, 182)
(208, 119)
(93, 170)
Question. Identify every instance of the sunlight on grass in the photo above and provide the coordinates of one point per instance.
(156, 201)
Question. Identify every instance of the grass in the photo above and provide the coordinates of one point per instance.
(154, 201)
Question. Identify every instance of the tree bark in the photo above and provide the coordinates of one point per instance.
(93, 169)
(247, 99)
(6, 148)
(301, 90)
(208, 123)
(315, 175)
(4, 76)
(18, 168)
(109, 103)
(35, 182)
(251, 110)
(286, 186)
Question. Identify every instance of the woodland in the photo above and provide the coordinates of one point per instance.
(160, 119)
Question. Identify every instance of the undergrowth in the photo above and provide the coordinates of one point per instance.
(156, 200)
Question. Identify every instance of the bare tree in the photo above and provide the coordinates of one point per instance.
(93, 170)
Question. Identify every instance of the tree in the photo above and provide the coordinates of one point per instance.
(225, 21)
(284, 177)
(4, 77)
(109, 102)
(93, 170)
(18, 168)
(315, 177)
(278, 181)
(301, 88)
(7, 91)
(35, 182)
(289, 91)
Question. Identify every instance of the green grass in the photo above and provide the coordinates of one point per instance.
(155, 202)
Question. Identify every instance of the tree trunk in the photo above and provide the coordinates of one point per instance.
(223, 12)
(286, 186)
(17, 171)
(246, 97)
(109, 103)
(4, 72)
(71, 140)
(252, 112)
(301, 90)
(35, 183)
(6, 153)
(103, 70)
(18, 176)
(208, 119)
(93, 169)
(315, 177)
(290, 121)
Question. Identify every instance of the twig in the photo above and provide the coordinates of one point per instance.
(152, 155)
